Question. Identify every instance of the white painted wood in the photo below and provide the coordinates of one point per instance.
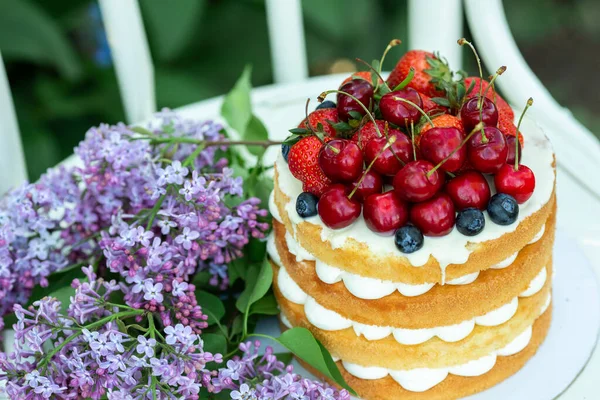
(577, 149)
(12, 161)
(443, 28)
(130, 53)
(286, 37)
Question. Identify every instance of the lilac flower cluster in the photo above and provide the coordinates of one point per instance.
(255, 376)
(89, 353)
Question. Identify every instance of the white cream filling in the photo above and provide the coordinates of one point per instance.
(536, 284)
(330, 320)
(422, 379)
(449, 249)
(505, 263)
(538, 235)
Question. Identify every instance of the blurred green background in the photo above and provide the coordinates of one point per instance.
(62, 80)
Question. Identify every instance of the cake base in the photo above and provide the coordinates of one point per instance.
(453, 387)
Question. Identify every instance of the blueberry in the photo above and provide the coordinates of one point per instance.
(503, 209)
(470, 221)
(285, 150)
(326, 104)
(408, 239)
(306, 204)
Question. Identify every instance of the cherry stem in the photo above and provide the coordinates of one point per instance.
(527, 105)
(464, 41)
(335, 150)
(389, 143)
(360, 60)
(499, 72)
(393, 43)
(417, 107)
(324, 94)
(406, 81)
(478, 127)
(412, 139)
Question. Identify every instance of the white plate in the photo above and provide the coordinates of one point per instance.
(571, 339)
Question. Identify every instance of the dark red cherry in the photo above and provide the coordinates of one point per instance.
(341, 160)
(487, 154)
(510, 143)
(387, 163)
(336, 210)
(359, 88)
(470, 113)
(468, 190)
(398, 112)
(437, 144)
(385, 212)
(519, 183)
(434, 217)
(412, 182)
(371, 184)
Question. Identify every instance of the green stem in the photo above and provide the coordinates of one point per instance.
(93, 325)
(152, 330)
(360, 60)
(464, 41)
(406, 81)
(527, 105)
(154, 211)
(392, 43)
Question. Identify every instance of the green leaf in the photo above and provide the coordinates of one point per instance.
(342, 127)
(442, 101)
(255, 130)
(236, 108)
(171, 25)
(355, 115)
(299, 131)
(258, 282)
(214, 343)
(303, 344)
(211, 305)
(266, 306)
(406, 81)
(28, 33)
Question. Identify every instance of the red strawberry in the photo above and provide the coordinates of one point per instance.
(366, 75)
(501, 104)
(303, 161)
(441, 121)
(421, 80)
(325, 117)
(368, 132)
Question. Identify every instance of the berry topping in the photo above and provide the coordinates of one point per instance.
(398, 107)
(368, 132)
(438, 144)
(285, 151)
(469, 189)
(304, 165)
(384, 212)
(444, 121)
(470, 221)
(434, 217)
(335, 208)
(321, 120)
(487, 151)
(478, 109)
(341, 160)
(391, 160)
(326, 104)
(417, 181)
(422, 62)
(371, 183)
(517, 182)
(306, 205)
(408, 239)
(503, 209)
(346, 105)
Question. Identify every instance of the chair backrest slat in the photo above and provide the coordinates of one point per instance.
(12, 161)
(286, 37)
(447, 17)
(131, 55)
